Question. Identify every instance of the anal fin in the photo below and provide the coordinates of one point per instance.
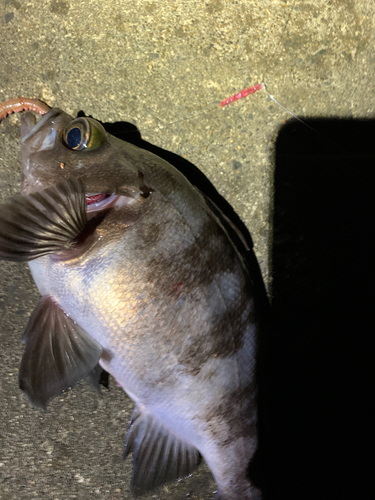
(58, 353)
(159, 456)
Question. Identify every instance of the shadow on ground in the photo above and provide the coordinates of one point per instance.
(319, 361)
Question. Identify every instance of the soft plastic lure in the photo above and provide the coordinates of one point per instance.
(22, 104)
(240, 95)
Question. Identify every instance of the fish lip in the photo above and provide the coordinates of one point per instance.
(45, 118)
(116, 201)
(103, 204)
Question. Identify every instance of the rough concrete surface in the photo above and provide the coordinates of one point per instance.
(164, 66)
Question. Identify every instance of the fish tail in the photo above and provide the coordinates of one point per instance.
(42, 223)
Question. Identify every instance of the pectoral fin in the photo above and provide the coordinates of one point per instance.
(159, 456)
(58, 353)
(44, 222)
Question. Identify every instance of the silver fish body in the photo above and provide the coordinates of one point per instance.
(148, 284)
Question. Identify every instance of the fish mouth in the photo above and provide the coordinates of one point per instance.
(97, 202)
(30, 123)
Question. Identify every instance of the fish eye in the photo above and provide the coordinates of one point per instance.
(84, 133)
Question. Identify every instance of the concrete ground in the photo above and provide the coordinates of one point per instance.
(164, 66)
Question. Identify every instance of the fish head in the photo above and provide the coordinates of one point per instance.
(59, 146)
(121, 189)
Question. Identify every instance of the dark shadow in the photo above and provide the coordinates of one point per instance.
(319, 389)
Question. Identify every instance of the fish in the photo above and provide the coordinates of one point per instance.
(143, 275)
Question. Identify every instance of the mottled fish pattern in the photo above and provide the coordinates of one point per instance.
(138, 273)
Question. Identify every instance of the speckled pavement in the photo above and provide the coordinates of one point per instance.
(164, 66)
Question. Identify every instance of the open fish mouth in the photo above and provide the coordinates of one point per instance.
(96, 202)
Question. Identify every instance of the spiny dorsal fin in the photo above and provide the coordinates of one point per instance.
(159, 456)
(58, 353)
(44, 222)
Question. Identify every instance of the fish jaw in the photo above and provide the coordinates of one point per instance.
(37, 137)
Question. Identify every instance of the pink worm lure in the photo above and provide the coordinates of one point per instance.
(22, 104)
(242, 94)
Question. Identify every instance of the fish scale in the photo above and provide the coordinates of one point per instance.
(147, 282)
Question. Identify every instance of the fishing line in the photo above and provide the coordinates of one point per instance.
(229, 100)
(225, 102)
(245, 93)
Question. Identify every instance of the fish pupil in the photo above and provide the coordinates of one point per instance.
(74, 138)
